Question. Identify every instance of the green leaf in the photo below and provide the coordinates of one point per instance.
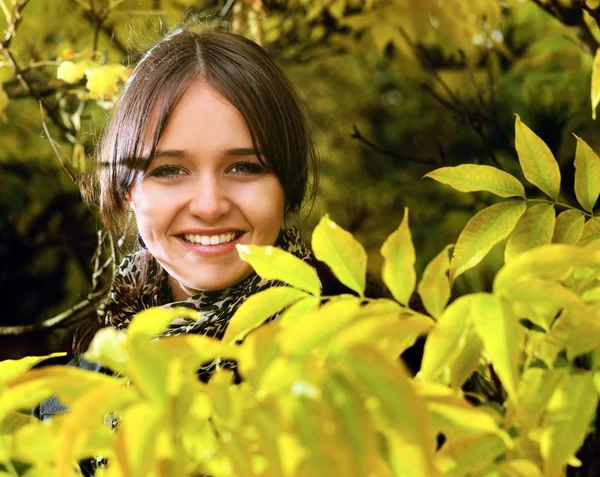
(471, 177)
(502, 336)
(399, 262)
(488, 227)
(273, 263)
(446, 340)
(339, 250)
(537, 161)
(534, 228)
(587, 175)
(467, 456)
(591, 231)
(10, 368)
(108, 349)
(567, 420)
(434, 287)
(257, 308)
(569, 227)
(595, 90)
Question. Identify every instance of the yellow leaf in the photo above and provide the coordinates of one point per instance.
(567, 420)
(455, 417)
(399, 262)
(577, 330)
(273, 263)
(339, 250)
(587, 175)
(72, 72)
(103, 82)
(534, 228)
(502, 336)
(297, 310)
(107, 349)
(257, 308)
(467, 360)
(10, 368)
(467, 456)
(535, 391)
(548, 260)
(153, 321)
(447, 338)
(434, 287)
(569, 227)
(318, 327)
(472, 177)
(519, 468)
(390, 334)
(389, 384)
(488, 227)
(595, 91)
(591, 231)
(537, 161)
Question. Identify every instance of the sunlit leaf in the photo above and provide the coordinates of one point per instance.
(10, 368)
(482, 232)
(339, 250)
(537, 161)
(153, 321)
(466, 456)
(543, 261)
(467, 360)
(534, 228)
(569, 227)
(108, 349)
(434, 287)
(472, 177)
(567, 419)
(273, 263)
(591, 231)
(587, 175)
(390, 386)
(399, 262)
(298, 309)
(519, 468)
(447, 338)
(502, 336)
(595, 90)
(533, 394)
(454, 416)
(259, 307)
(318, 326)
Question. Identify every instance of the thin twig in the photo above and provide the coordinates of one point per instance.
(63, 320)
(358, 136)
(56, 151)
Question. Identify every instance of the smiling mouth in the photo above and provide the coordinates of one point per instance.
(211, 239)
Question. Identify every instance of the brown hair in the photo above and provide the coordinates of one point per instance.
(240, 71)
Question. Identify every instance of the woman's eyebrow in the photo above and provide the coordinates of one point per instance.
(241, 151)
(170, 153)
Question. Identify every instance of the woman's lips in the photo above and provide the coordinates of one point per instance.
(210, 250)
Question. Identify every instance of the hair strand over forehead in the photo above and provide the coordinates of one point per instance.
(242, 73)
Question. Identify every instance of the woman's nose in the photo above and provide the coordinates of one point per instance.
(208, 200)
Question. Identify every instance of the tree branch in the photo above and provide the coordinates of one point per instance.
(415, 160)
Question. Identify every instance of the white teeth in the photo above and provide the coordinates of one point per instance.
(210, 239)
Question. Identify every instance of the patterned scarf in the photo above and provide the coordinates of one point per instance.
(142, 283)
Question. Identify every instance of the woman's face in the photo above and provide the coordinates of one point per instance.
(204, 192)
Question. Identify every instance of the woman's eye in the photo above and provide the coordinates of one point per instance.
(167, 171)
(247, 168)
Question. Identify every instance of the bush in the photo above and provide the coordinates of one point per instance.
(323, 391)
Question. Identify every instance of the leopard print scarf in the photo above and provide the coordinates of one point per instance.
(142, 283)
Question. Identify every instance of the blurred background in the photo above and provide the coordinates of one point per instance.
(393, 89)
